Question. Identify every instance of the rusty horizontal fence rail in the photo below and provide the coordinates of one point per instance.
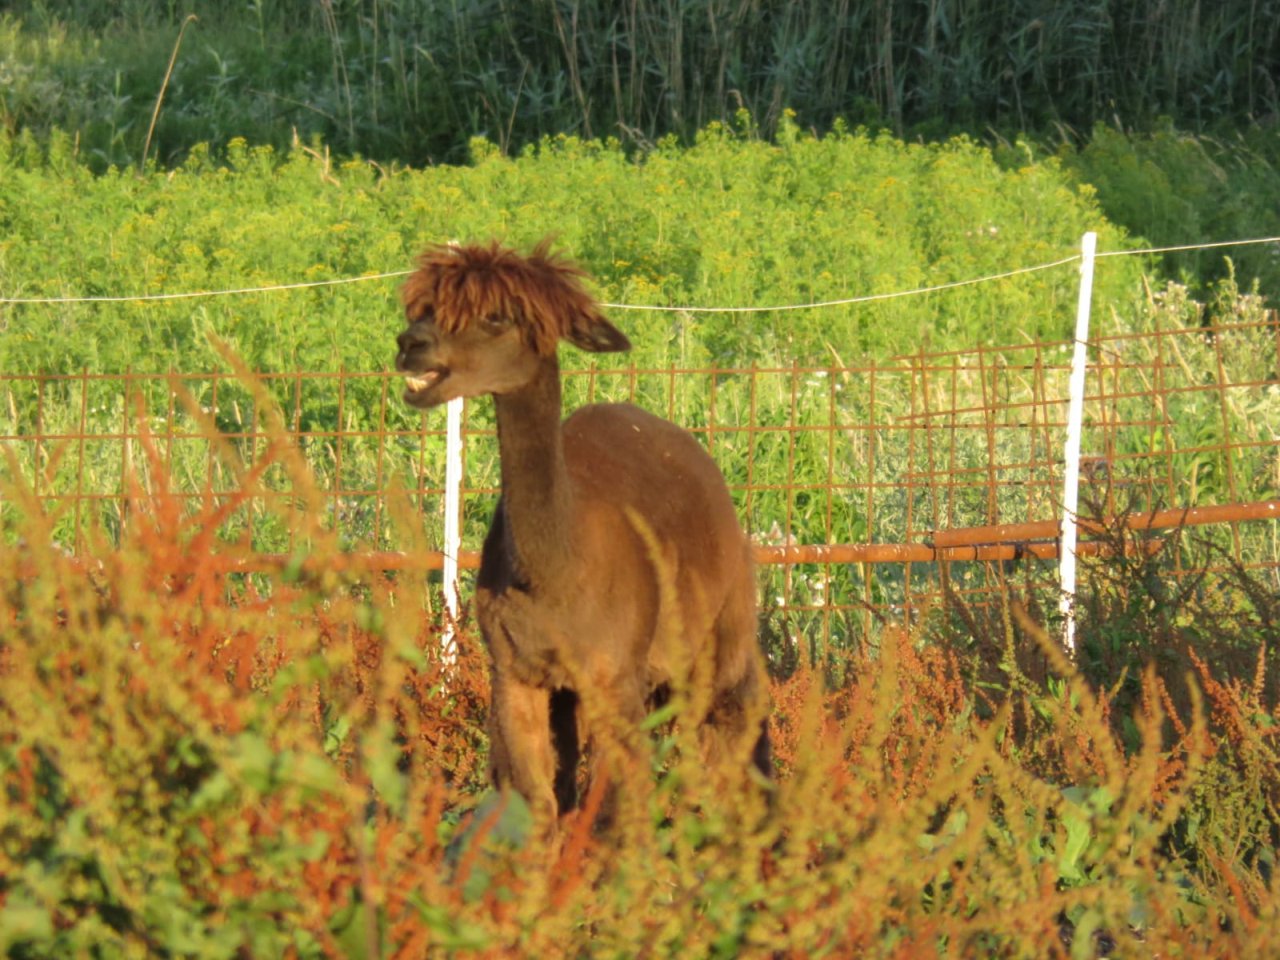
(427, 561)
(1010, 541)
(1158, 519)
(858, 483)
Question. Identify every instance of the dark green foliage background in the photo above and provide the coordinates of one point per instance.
(412, 79)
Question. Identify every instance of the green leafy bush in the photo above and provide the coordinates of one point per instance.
(1176, 189)
(730, 221)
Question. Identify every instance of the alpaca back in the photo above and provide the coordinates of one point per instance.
(620, 457)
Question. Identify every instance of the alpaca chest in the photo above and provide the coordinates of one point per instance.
(565, 642)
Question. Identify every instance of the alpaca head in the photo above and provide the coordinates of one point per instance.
(485, 319)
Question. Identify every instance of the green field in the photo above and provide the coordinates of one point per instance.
(1169, 116)
(199, 761)
(733, 221)
(730, 222)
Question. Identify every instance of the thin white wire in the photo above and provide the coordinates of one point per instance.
(816, 305)
(236, 291)
(868, 298)
(142, 297)
(1188, 246)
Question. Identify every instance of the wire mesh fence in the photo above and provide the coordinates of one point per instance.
(869, 490)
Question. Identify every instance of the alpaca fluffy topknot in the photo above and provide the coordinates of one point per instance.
(542, 293)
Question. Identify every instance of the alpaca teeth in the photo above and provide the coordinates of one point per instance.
(422, 382)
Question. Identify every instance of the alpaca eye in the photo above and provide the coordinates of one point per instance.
(496, 322)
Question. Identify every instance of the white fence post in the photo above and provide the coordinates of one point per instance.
(1071, 451)
(452, 521)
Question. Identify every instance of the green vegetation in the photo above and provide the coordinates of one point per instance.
(1174, 188)
(228, 775)
(411, 79)
(283, 764)
(730, 221)
(1195, 157)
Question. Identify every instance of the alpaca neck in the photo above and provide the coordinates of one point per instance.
(535, 481)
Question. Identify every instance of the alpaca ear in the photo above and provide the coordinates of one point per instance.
(593, 333)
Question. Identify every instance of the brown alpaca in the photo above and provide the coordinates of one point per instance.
(614, 566)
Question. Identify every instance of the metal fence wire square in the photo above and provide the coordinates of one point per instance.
(868, 490)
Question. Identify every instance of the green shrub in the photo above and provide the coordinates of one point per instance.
(1175, 189)
(730, 221)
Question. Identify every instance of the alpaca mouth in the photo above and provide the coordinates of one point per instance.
(419, 383)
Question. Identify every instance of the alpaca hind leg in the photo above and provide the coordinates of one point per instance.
(737, 725)
(619, 764)
(499, 760)
(736, 733)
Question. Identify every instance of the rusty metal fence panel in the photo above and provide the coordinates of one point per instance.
(860, 484)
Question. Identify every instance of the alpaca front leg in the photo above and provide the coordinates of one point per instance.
(521, 755)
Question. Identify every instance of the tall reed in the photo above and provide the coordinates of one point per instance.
(413, 80)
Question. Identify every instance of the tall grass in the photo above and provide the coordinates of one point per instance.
(1172, 130)
(412, 80)
(290, 768)
(1170, 186)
